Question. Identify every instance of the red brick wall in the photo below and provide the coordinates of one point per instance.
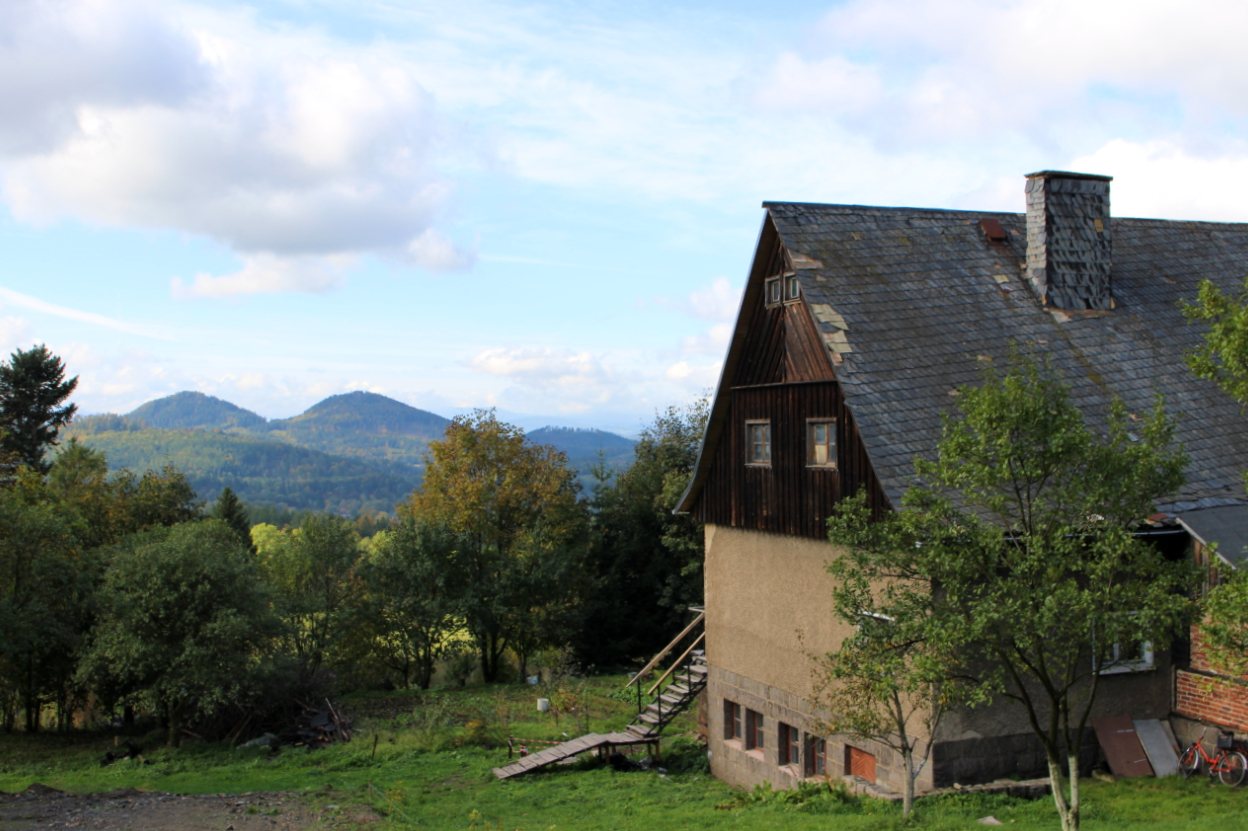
(1208, 697)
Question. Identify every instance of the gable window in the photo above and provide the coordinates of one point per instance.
(732, 721)
(792, 288)
(773, 290)
(790, 745)
(821, 443)
(753, 730)
(758, 442)
(816, 756)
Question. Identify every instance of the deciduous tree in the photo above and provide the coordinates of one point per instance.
(1026, 526)
(512, 504)
(184, 620)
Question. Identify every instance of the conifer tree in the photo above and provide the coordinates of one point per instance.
(230, 509)
(33, 391)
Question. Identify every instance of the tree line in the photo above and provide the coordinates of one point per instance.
(123, 594)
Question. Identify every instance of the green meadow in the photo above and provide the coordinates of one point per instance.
(425, 761)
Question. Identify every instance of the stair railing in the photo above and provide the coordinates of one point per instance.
(663, 653)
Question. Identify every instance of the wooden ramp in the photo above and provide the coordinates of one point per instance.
(568, 749)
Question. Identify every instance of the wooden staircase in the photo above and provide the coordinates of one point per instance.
(672, 694)
(687, 684)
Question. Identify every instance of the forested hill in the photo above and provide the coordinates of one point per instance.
(583, 447)
(349, 452)
(363, 425)
(196, 411)
(259, 471)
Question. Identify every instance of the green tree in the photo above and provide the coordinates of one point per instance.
(1026, 528)
(33, 391)
(645, 562)
(895, 678)
(1223, 358)
(184, 619)
(411, 608)
(313, 570)
(510, 503)
(233, 513)
(46, 579)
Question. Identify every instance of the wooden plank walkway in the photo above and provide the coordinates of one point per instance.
(568, 749)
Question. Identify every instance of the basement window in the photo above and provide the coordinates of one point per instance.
(790, 745)
(816, 756)
(821, 443)
(758, 443)
(732, 721)
(754, 730)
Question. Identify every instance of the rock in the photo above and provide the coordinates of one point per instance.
(989, 821)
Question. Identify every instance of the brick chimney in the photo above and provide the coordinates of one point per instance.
(1069, 247)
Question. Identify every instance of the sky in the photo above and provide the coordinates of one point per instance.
(548, 208)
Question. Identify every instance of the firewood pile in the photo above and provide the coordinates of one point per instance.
(318, 727)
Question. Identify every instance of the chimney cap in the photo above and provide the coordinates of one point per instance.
(1066, 174)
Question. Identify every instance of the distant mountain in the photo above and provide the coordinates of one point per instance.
(362, 425)
(259, 471)
(196, 411)
(349, 452)
(585, 446)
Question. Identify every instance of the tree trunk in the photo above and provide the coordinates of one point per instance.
(175, 726)
(1059, 794)
(907, 794)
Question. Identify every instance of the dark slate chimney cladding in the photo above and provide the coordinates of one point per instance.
(1069, 247)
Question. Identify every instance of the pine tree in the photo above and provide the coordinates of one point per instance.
(32, 391)
(231, 509)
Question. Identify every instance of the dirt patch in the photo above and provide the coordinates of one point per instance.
(42, 807)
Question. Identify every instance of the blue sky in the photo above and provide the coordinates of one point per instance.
(544, 207)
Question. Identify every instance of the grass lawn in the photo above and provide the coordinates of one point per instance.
(420, 763)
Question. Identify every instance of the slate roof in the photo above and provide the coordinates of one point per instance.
(916, 301)
(1227, 526)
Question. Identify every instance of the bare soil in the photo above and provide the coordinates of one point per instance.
(41, 807)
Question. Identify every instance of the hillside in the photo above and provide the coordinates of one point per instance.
(195, 411)
(583, 446)
(350, 451)
(259, 471)
(361, 425)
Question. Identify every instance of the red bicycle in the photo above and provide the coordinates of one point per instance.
(1229, 764)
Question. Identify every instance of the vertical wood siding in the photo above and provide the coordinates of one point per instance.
(784, 375)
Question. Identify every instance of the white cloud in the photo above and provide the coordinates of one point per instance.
(15, 332)
(713, 341)
(434, 251)
(278, 143)
(541, 366)
(721, 300)
(267, 273)
(1164, 179)
(25, 301)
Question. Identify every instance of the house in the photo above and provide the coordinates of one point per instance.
(856, 326)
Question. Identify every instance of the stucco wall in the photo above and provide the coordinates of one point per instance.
(760, 590)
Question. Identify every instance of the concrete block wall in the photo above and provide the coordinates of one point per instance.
(742, 768)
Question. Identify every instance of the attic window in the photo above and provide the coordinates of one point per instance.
(792, 288)
(773, 290)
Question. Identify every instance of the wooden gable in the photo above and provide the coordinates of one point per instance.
(779, 372)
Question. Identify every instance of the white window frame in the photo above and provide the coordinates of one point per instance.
(1114, 665)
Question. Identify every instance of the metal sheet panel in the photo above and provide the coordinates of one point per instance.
(1122, 746)
(1161, 753)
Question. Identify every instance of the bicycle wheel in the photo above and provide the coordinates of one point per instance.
(1189, 762)
(1232, 768)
